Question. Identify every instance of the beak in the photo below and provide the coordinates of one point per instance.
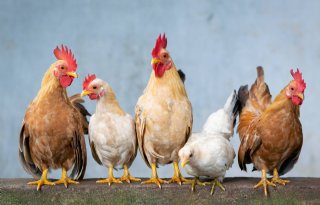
(154, 61)
(72, 74)
(301, 96)
(84, 93)
(184, 162)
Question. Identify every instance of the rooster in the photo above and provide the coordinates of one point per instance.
(270, 132)
(52, 134)
(112, 132)
(209, 152)
(163, 115)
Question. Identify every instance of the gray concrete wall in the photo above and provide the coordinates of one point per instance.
(218, 44)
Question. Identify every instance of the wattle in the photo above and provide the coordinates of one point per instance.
(296, 100)
(93, 96)
(65, 80)
(160, 68)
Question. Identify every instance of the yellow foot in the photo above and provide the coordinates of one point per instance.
(215, 183)
(195, 182)
(109, 180)
(155, 180)
(277, 180)
(66, 181)
(265, 183)
(41, 182)
(178, 180)
(129, 178)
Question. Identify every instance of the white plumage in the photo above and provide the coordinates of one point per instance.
(113, 136)
(111, 131)
(210, 153)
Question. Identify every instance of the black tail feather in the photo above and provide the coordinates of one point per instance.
(182, 75)
(243, 95)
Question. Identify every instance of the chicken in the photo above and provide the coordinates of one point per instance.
(52, 134)
(270, 132)
(112, 132)
(210, 153)
(163, 115)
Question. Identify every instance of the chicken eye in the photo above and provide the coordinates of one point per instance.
(94, 87)
(62, 67)
(165, 55)
(191, 155)
(292, 89)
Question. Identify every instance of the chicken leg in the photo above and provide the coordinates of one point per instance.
(126, 175)
(195, 182)
(215, 183)
(177, 177)
(65, 179)
(42, 181)
(264, 182)
(276, 179)
(110, 179)
(154, 177)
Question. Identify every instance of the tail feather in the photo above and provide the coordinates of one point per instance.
(259, 95)
(182, 75)
(232, 106)
(252, 103)
(229, 106)
(243, 95)
(77, 101)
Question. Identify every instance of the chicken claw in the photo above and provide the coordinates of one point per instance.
(177, 178)
(42, 181)
(215, 183)
(264, 182)
(126, 175)
(65, 179)
(154, 178)
(110, 179)
(276, 179)
(195, 182)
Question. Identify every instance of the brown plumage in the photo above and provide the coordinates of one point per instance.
(52, 134)
(270, 132)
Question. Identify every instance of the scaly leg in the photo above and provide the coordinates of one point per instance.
(154, 177)
(177, 177)
(42, 181)
(276, 179)
(264, 182)
(126, 175)
(215, 183)
(195, 182)
(65, 179)
(110, 179)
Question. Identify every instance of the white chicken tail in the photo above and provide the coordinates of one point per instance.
(232, 104)
(222, 122)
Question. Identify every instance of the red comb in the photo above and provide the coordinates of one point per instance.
(65, 54)
(298, 78)
(160, 43)
(88, 80)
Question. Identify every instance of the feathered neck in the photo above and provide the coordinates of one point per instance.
(108, 102)
(50, 87)
(282, 101)
(170, 82)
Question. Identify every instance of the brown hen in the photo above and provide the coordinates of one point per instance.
(270, 132)
(52, 134)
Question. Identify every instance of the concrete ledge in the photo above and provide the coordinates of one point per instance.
(238, 191)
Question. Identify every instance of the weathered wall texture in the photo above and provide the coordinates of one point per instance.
(238, 191)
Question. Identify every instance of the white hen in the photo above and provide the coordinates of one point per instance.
(111, 130)
(210, 153)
